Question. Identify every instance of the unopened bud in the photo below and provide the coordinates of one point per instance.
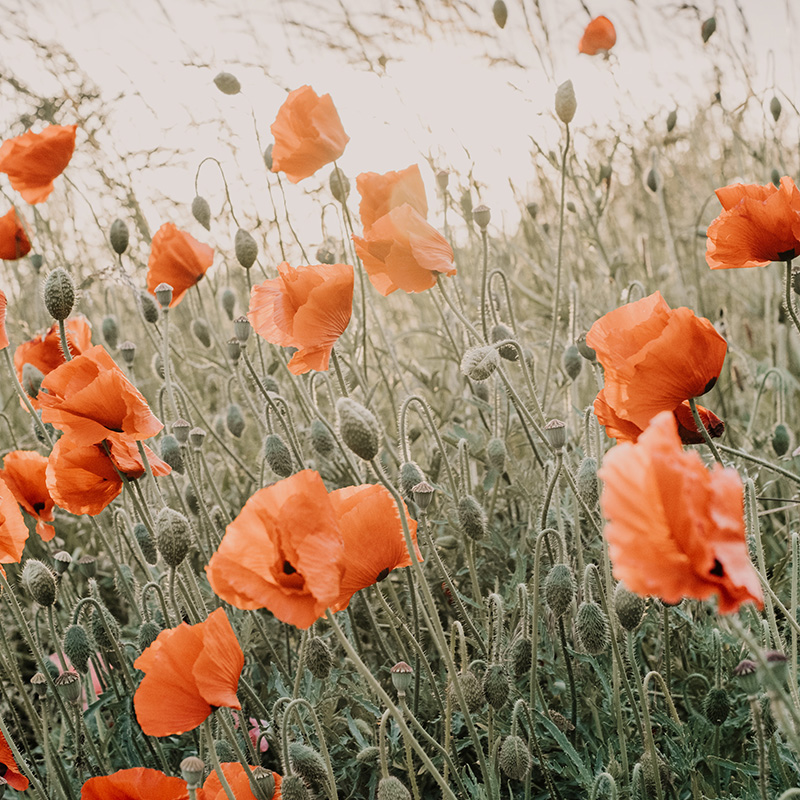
(268, 156)
(707, 28)
(201, 211)
(227, 83)
(480, 362)
(584, 348)
(559, 589)
(40, 582)
(277, 455)
(59, 294)
(500, 13)
(515, 758)
(148, 633)
(471, 517)
(201, 331)
(571, 361)
(775, 108)
(339, 185)
(359, 428)
(496, 686)
(228, 301)
(293, 788)
(32, 378)
(521, 655)
(566, 102)
(588, 484)
(499, 333)
(629, 607)
(318, 659)
(171, 452)
(672, 119)
(149, 308)
(780, 439)
(246, 248)
(591, 628)
(234, 420)
(118, 236)
(146, 542)
(173, 537)
(717, 706)
(410, 476)
(308, 764)
(77, 648)
(391, 788)
(496, 454)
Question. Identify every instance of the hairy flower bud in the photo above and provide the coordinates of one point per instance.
(227, 83)
(174, 538)
(471, 517)
(293, 788)
(149, 308)
(390, 788)
(496, 453)
(40, 582)
(472, 690)
(339, 185)
(277, 455)
(118, 236)
(318, 658)
(201, 331)
(228, 301)
(588, 484)
(59, 294)
(410, 476)
(496, 686)
(201, 211)
(148, 633)
(571, 361)
(515, 757)
(308, 764)
(234, 419)
(566, 102)
(358, 428)
(171, 452)
(500, 333)
(32, 378)
(559, 589)
(591, 627)
(246, 248)
(321, 439)
(77, 648)
(716, 706)
(146, 543)
(480, 362)
(629, 607)
(521, 654)
(707, 28)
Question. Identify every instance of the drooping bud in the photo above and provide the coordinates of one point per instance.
(148, 633)
(369, 755)
(173, 536)
(201, 331)
(110, 331)
(149, 307)
(390, 788)
(40, 582)
(228, 301)
(515, 757)
(707, 28)
(629, 607)
(293, 788)
(556, 433)
(559, 589)
(224, 750)
(321, 439)
(521, 654)
(584, 348)
(308, 764)
(277, 455)
(402, 676)
(480, 362)
(164, 295)
(500, 13)
(227, 83)
(572, 361)
(472, 690)
(201, 211)
(32, 378)
(566, 102)
(118, 236)
(775, 108)
(652, 181)
(171, 452)
(410, 476)
(500, 333)
(77, 648)
(318, 658)
(717, 706)
(325, 255)
(59, 294)
(588, 484)
(532, 208)
(591, 627)
(234, 419)
(246, 248)
(780, 439)
(471, 517)
(358, 428)
(192, 769)
(146, 543)
(672, 119)
(496, 453)
(339, 185)
(496, 686)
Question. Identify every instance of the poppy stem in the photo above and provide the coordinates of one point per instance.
(215, 760)
(704, 431)
(62, 335)
(40, 426)
(788, 300)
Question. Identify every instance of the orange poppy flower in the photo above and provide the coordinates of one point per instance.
(402, 251)
(598, 37)
(675, 529)
(654, 359)
(237, 780)
(758, 225)
(34, 160)
(283, 552)
(13, 530)
(177, 258)
(189, 671)
(373, 538)
(381, 193)
(81, 479)
(3, 334)
(89, 398)
(14, 242)
(138, 783)
(304, 307)
(308, 134)
(8, 766)
(24, 474)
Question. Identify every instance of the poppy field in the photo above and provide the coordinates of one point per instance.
(433, 504)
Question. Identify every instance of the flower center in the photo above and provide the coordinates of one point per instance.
(288, 569)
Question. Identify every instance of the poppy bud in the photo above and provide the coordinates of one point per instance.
(146, 543)
(716, 706)
(707, 28)
(423, 495)
(390, 788)
(325, 256)
(36, 261)
(515, 758)
(496, 686)
(196, 437)
(480, 362)
(164, 295)
(61, 561)
(588, 485)
(358, 428)
(245, 247)
(59, 294)
(591, 628)
(234, 419)
(174, 538)
(532, 209)
(105, 629)
(649, 772)
(128, 352)
(410, 476)
(308, 764)
(228, 301)
(571, 207)
(556, 433)
(201, 331)
(77, 648)
(158, 365)
(584, 348)
(32, 378)
(277, 455)
(652, 180)
(672, 119)
(521, 654)
(629, 607)
(318, 659)
(499, 333)
(442, 179)
(227, 83)
(110, 331)
(268, 156)
(242, 329)
(559, 589)
(500, 13)
(482, 215)
(566, 102)
(339, 185)
(471, 517)
(148, 633)
(780, 439)
(293, 788)
(39, 684)
(471, 689)
(321, 439)
(201, 211)
(234, 348)
(68, 685)
(224, 750)
(572, 362)
(40, 582)
(369, 755)
(149, 308)
(775, 108)
(171, 452)
(265, 783)
(192, 769)
(496, 453)
(118, 236)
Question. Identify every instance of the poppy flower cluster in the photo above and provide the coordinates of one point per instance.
(298, 550)
(189, 671)
(599, 36)
(655, 359)
(676, 529)
(307, 307)
(177, 258)
(34, 160)
(14, 242)
(758, 225)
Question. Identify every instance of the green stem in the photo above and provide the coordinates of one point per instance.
(703, 431)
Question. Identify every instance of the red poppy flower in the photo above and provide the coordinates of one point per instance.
(138, 783)
(598, 37)
(373, 538)
(304, 307)
(8, 766)
(13, 530)
(283, 552)
(178, 259)
(675, 529)
(381, 193)
(654, 359)
(758, 225)
(81, 478)
(308, 134)
(14, 242)
(189, 670)
(237, 780)
(34, 160)
(24, 474)
(89, 398)
(402, 251)
(3, 335)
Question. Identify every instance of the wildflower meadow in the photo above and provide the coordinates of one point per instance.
(382, 493)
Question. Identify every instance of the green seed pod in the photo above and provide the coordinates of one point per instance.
(148, 633)
(68, 685)
(308, 764)
(369, 755)
(588, 485)
(321, 439)
(201, 331)
(500, 333)
(780, 439)
(496, 454)
(265, 783)
(672, 120)
(128, 352)
(318, 659)
(228, 302)
(471, 517)
(775, 108)
(521, 653)
(173, 536)
(246, 248)
(293, 788)
(410, 476)
(227, 83)
(277, 455)
(566, 104)
(629, 607)
(61, 561)
(110, 331)
(118, 236)
(234, 419)
(556, 433)
(171, 452)
(716, 706)
(339, 185)
(495, 686)
(40, 581)
(32, 378)
(59, 294)
(358, 428)
(515, 758)
(146, 542)
(149, 308)
(707, 28)
(500, 13)
(591, 627)
(472, 689)
(480, 362)
(192, 769)
(559, 589)
(572, 361)
(392, 789)
(77, 648)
